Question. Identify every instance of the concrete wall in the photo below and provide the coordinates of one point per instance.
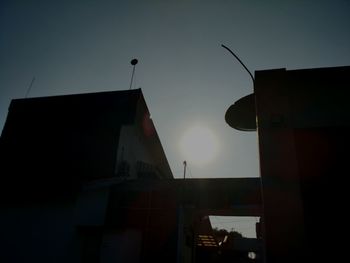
(303, 128)
(131, 151)
(140, 153)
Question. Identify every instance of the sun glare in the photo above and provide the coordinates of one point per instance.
(199, 145)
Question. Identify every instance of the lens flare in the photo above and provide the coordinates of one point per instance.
(199, 145)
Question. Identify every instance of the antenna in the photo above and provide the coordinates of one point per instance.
(133, 62)
(30, 87)
(240, 61)
(185, 165)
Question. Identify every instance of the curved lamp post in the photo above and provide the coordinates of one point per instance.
(242, 114)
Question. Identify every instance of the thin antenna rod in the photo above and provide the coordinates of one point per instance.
(133, 62)
(185, 165)
(240, 61)
(30, 87)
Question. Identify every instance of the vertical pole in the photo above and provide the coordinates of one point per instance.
(185, 164)
(133, 63)
(30, 87)
(132, 76)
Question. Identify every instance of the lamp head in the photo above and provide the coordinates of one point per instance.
(134, 61)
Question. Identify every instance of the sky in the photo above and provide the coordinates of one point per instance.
(241, 224)
(187, 78)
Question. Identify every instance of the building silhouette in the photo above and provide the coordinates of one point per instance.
(81, 137)
(303, 124)
(85, 179)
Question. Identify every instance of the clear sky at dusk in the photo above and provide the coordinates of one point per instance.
(187, 78)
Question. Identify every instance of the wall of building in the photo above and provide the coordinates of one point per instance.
(58, 157)
(303, 128)
(140, 154)
(39, 233)
(132, 152)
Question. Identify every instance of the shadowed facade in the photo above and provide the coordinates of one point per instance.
(85, 179)
(62, 141)
(303, 125)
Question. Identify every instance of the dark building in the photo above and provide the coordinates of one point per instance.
(303, 124)
(85, 179)
(52, 149)
(52, 140)
(170, 217)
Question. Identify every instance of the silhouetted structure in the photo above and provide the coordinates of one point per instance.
(85, 179)
(303, 126)
(234, 247)
(61, 141)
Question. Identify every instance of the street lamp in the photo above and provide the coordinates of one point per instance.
(242, 114)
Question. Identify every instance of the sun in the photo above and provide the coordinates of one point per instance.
(199, 145)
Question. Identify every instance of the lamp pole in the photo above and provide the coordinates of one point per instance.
(133, 62)
(240, 61)
(185, 165)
